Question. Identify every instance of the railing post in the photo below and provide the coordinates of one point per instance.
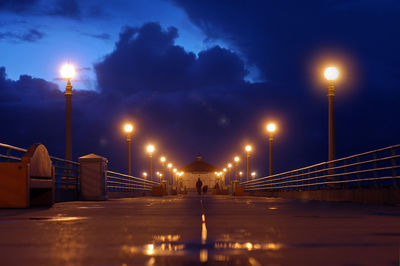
(358, 171)
(375, 174)
(93, 179)
(394, 174)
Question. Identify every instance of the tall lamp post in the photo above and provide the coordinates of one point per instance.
(128, 128)
(68, 72)
(237, 159)
(162, 160)
(331, 74)
(169, 172)
(150, 150)
(271, 128)
(248, 150)
(229, 172)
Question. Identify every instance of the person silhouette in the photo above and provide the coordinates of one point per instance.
(198, 186)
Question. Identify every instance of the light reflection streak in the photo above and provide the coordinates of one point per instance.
(203, 255)
(247, 246)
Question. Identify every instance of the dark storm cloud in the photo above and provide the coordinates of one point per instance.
(200, 103)
(280, 37)
(31, 35)
(25, 90)
(146, 58)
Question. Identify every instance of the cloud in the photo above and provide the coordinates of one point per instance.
(101, 36)
(147, 59)
(17, 6)
(185, 103)
(66, 8)
(31, 35)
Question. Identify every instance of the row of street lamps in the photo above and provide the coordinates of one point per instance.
(68, 72)
(331, 74)
(271, 128)
(128, 128)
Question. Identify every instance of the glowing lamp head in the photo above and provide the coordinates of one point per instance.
(144, 174)
(175, 170)
(331, 73)
(229, 165)
(150, 148)
(253, 174)
(271, 127)
(236, 159)
(224, 169)
(248, 148)
(240, 173)
(128, 128)
(169, 165)
(162, 159)
(68, 71)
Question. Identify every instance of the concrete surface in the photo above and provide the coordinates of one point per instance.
(196, 230)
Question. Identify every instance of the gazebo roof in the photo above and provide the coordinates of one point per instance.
(199, 166)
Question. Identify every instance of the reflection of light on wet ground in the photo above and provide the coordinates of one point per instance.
(169, 238)
(272, 208)
(203, 234)
(150, 249)
(203, 230)
(203, 255)
(254, 262)
(57, 219)
(90, 207)
(247, 246)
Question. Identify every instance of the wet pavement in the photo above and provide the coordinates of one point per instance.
(201, 230)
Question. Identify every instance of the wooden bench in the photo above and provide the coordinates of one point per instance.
(29, 182)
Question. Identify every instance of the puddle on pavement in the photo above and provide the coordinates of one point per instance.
(57, 219)
(222, 251)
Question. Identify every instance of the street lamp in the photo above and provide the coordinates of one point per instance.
(237, 159)
(331, 74)
(150, 150)
(128, 128)
(174, 175)
(162, 160)
(248, 150)
(229, 172)
(68, 72)
(271, 128)
(169, 165)
(253, 175)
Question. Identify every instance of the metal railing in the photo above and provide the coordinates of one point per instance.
(374, 169)
(66, 172)
(117, 182)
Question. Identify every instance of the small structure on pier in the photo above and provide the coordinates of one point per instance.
(200, 169)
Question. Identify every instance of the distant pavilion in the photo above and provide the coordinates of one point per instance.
(200, 169)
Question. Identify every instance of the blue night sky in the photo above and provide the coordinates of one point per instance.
(201, 76)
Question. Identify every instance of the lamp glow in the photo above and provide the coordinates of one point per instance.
(150, 148)
(162, 159)
(169, 165)
(67, 71)
(271, 127)
(237, 159)
(331, 73)
(229, 165)
(128, 128)
(248, 148)
(224, 169)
